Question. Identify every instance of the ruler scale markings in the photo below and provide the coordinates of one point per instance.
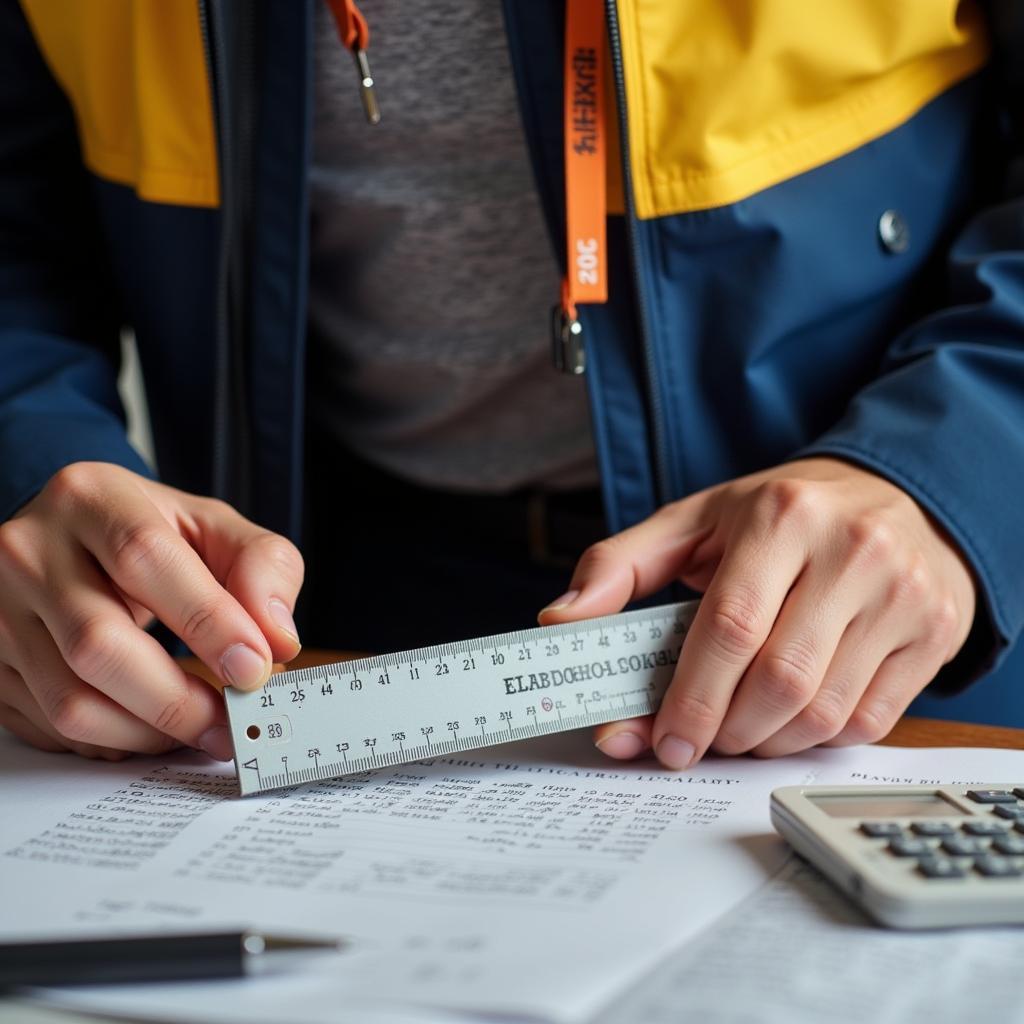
(614, 667)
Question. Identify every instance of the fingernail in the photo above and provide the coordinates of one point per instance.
(282, 617)
(244, 668)
(622, 745)
(217, 743)
(562, 602)
(675, 753)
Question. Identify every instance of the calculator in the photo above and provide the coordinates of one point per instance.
(914, 856)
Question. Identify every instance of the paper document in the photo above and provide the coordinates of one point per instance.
(799, 952)
(535, 880)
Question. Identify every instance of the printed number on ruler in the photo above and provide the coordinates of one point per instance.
(334, 720)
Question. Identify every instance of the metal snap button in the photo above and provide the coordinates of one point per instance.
(893, 232)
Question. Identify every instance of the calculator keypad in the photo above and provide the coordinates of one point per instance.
(987, 846)
(1008, 812)
(881, 829)
(993, 866)
(932, 829)
(991, 796)
(904, 847)
(1012, 846)
(962, 846)
(940, 867)
(983, 827)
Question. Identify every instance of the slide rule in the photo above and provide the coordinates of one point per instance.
(354, 716)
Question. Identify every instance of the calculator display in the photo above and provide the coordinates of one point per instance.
(899, 805)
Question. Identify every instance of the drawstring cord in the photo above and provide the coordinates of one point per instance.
(354, 34)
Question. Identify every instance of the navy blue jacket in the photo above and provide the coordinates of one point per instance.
(738, 334)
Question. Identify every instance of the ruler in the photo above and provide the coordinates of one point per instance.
(355, 716)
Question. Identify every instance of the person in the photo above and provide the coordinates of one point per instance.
(802, 398)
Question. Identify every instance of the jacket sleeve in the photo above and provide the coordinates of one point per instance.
(59, 346)
(944, 420)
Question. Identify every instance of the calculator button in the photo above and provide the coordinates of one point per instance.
(1020, 825)
(881, 829)
(984, 827)
(1006, 811)
(1012, 846)
(991, 796)
(1019, 791)
(958, 846)
(935, 829)
(939, 867)
(910, 847)
(996, 867)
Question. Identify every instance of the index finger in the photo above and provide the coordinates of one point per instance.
(735, 617)
(154, 565)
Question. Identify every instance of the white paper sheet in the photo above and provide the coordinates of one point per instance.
(534, 880)
(537, 880)
(799, 952)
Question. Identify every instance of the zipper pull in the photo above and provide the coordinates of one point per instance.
(367, 89)
(567, 342)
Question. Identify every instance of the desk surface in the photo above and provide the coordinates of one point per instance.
(909, 732)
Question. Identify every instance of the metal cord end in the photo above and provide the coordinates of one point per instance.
(567, 343)
(367, 89)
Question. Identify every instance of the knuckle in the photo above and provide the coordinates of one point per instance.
(18, 554)
(822, 720)
(871, 722)
(788, 678)
(941, 623)
(73, 484)
(283, 555)
(910, 584)
(870, 538)
(218, 508)
(70, 712)
(730, 743)
(141, 550)
(786, 499)
(172, 715)
(204, 619)
(734, 624)
(693, 709)
(604, 552)
(92, 648)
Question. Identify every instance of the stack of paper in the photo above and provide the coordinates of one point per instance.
(535, 880)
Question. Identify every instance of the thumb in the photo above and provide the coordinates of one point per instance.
(263, 571)
(634, 563)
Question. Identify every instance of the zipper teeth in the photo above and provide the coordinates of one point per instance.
(661, 460)
(244, 154)
(221, 412)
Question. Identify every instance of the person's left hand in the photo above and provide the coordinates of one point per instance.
(831, 599)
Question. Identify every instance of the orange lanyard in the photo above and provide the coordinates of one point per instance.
(586, 278)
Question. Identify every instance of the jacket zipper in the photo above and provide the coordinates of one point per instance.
(662, 476)
(231, 439)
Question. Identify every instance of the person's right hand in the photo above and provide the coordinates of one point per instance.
(86, 565)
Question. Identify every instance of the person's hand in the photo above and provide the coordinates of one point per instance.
(830, 600)
(86, 565)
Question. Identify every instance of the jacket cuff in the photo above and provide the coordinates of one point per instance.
(60, 407)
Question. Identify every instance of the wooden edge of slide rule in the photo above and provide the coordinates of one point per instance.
(333, 720)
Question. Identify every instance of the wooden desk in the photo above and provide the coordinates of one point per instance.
(909, 732)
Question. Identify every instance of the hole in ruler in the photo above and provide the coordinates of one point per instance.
(253, 732)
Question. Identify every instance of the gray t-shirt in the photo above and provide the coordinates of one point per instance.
(432, 275)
